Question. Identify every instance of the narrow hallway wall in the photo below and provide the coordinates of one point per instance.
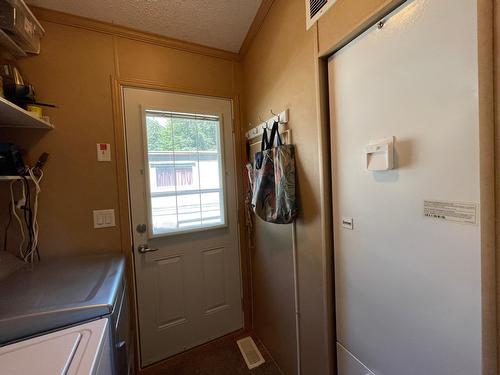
(279, 73)
(282, 69)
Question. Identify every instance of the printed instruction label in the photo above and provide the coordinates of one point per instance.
(451, 211)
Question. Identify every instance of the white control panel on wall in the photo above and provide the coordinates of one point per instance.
(380, 154)
(104, 218)
(103, 152)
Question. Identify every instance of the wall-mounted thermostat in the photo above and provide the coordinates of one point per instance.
(380, 154)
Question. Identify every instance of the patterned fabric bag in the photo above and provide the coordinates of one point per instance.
(273, 190)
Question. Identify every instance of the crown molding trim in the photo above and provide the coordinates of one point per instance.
(66, 19)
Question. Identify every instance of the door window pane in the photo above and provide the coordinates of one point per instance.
(185, 171)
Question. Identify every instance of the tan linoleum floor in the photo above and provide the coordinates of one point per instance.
(221, 359)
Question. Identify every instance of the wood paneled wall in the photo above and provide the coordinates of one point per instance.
(74, 71)
(280, 68)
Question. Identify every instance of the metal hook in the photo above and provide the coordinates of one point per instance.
(276, 115)
(266, 126)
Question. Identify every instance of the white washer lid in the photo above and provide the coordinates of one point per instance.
(55, 353)
(50, 356)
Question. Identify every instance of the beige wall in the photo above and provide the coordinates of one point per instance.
(74, 72)
(279, 73)
(346, 19)
(282, 70)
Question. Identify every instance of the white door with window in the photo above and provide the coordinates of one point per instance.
(182, 178)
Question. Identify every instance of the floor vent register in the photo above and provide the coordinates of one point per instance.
(250, 352)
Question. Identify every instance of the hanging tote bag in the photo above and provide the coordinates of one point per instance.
(273, 198)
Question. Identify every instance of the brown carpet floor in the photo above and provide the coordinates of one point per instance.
(224, 359)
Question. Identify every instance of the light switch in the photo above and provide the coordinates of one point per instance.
(104, 218)
(103, 152)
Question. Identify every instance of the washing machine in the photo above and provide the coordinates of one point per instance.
(79, 350)
(65, 292)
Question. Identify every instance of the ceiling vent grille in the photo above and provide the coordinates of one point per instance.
(315, 9)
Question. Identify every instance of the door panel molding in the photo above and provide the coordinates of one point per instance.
(211, 275)
(123, 212)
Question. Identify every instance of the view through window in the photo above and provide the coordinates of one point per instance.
(185, 171)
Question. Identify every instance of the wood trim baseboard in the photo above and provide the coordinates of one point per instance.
(325, 178)
(156, 85)
(66, 19)
(260, 16)
(124, 212)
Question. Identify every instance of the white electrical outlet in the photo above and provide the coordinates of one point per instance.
(104, 218)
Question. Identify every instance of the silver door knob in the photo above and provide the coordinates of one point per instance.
(145, 249)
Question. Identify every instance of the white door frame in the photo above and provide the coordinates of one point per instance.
(124, 211)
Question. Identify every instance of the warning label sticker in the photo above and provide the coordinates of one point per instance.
(451, 211)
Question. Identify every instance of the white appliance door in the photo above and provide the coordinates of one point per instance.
(79, 350)
(182, 177)
(408, 286)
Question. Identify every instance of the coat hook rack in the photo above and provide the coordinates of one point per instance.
(281, 118)
(264, 126)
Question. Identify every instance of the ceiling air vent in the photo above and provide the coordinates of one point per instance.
(315, 9)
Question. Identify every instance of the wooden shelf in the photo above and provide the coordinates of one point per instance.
(10, 46)
(11, 178)
(13, 116)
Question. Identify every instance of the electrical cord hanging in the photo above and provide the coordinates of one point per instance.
(33, 224)
(25, 211)
(27, 215)
(7, 227)
(18, 219)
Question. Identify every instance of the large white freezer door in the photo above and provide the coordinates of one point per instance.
(409, 285)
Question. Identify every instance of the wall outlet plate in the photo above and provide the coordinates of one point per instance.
(104, 218)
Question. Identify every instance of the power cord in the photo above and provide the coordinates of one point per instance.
(33, 223)
(6, 233)
(28, 209)
(14, 213)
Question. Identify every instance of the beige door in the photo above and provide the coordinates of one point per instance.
(181, 167)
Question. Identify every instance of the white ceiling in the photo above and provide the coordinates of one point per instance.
(215, 23)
